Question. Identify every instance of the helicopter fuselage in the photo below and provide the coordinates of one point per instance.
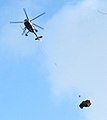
(28, 25)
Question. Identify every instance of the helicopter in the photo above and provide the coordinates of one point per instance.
(30, 26)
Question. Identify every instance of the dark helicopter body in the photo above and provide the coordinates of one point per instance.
(30, 26)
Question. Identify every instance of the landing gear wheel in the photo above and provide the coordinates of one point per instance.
(26, 34)
(36, 30)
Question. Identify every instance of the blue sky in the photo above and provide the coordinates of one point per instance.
(42, 79)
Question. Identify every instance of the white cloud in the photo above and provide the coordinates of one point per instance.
(76, 42)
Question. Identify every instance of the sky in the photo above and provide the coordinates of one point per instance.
(43, 79)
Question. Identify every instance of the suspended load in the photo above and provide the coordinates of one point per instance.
(85, 103)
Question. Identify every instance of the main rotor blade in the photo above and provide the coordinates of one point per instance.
(26, 13)
(17, 22)
(37, 16)
(38, 26)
